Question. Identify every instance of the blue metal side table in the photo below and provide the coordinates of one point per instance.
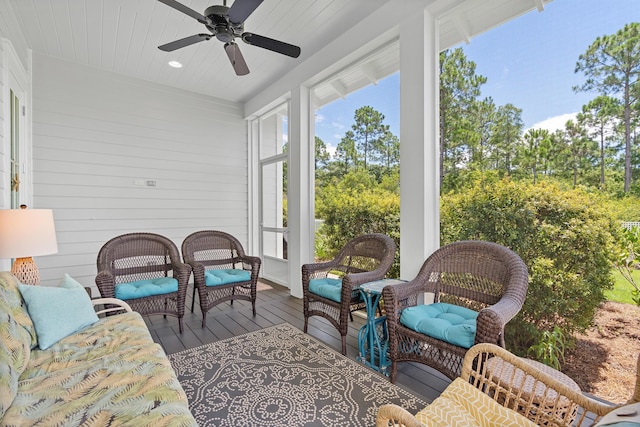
(373, 340)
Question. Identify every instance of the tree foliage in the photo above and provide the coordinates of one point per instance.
(611, 65)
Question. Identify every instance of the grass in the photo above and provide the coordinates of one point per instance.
(621, 291)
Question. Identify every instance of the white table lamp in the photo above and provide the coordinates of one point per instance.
(25, 233)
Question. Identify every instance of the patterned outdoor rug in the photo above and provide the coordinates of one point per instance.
(280, 376)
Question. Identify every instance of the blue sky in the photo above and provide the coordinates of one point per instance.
(528, 62)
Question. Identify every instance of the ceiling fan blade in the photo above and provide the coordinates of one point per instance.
(271, 44)
(236, 58)
(184, 9)
(177, 44)
(241, 9)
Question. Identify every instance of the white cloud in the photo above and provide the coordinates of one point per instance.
(319, 118)
(554, 123)
(331, 149)
(337, 125)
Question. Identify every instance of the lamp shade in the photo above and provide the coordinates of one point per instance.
(27, 233)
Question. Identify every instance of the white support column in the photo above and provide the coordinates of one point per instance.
(253, 166)
(419, 149)
(300, 187)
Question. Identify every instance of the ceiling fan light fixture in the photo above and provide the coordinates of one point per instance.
(175, 64)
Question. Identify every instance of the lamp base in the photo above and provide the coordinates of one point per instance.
(26, 271)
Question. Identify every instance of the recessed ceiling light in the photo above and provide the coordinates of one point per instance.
(175, 64)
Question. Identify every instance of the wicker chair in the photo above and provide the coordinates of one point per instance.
(364, 259)
(507, 379)
(483, 276)
(221, 269)
(138, 262)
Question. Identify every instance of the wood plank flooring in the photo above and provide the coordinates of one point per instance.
(273, 307)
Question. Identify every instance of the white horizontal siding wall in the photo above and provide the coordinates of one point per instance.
(98, 136)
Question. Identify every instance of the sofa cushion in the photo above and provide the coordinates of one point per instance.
(10, 294)
(146, 288)
(447, 322)
(133, 386)
(108, 335)
(58, 311)
(226, 276)
(463, 405)
(15, 350)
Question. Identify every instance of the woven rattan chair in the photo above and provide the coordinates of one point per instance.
(506, 378)
(143, 264)
(221, 269)
(364, 259)
(485, 277)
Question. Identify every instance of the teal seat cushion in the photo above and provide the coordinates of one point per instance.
(327, 288)
(146, 288)
(225, 277)
(58, 312)
(446, 322)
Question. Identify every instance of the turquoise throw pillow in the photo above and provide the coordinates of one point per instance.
(58, 312)
(327, 288)
(447, 322)
(226, 276)
(146, 288)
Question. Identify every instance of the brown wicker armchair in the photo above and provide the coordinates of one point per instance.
(483, 276)
(146, 271)
(221, 269)
(364, 259)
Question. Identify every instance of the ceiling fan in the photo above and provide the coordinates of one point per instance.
(225, 24)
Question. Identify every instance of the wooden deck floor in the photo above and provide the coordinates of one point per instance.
(273, 307)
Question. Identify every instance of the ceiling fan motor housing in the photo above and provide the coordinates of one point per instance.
(224, 30)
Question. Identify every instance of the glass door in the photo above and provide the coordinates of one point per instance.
(273, 195)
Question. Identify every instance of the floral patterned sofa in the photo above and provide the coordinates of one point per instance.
(109, 372)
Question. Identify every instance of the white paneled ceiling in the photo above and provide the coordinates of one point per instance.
(122, 36)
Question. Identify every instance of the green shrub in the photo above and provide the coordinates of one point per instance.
(627, 259)
(626, 208)
(566, 238)
(351, 208)
(550, 349)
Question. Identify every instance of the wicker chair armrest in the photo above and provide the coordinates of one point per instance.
(397, 416)
(311, 269)
(507, 388)
(181, 272)
(251, 259)
(403, 291)
(106, 282)
(492, 320)
(357, 279)
(114, 303)
(251, 263)
(196, 267)
(181, 267)
(398, 297)
(506, 308)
